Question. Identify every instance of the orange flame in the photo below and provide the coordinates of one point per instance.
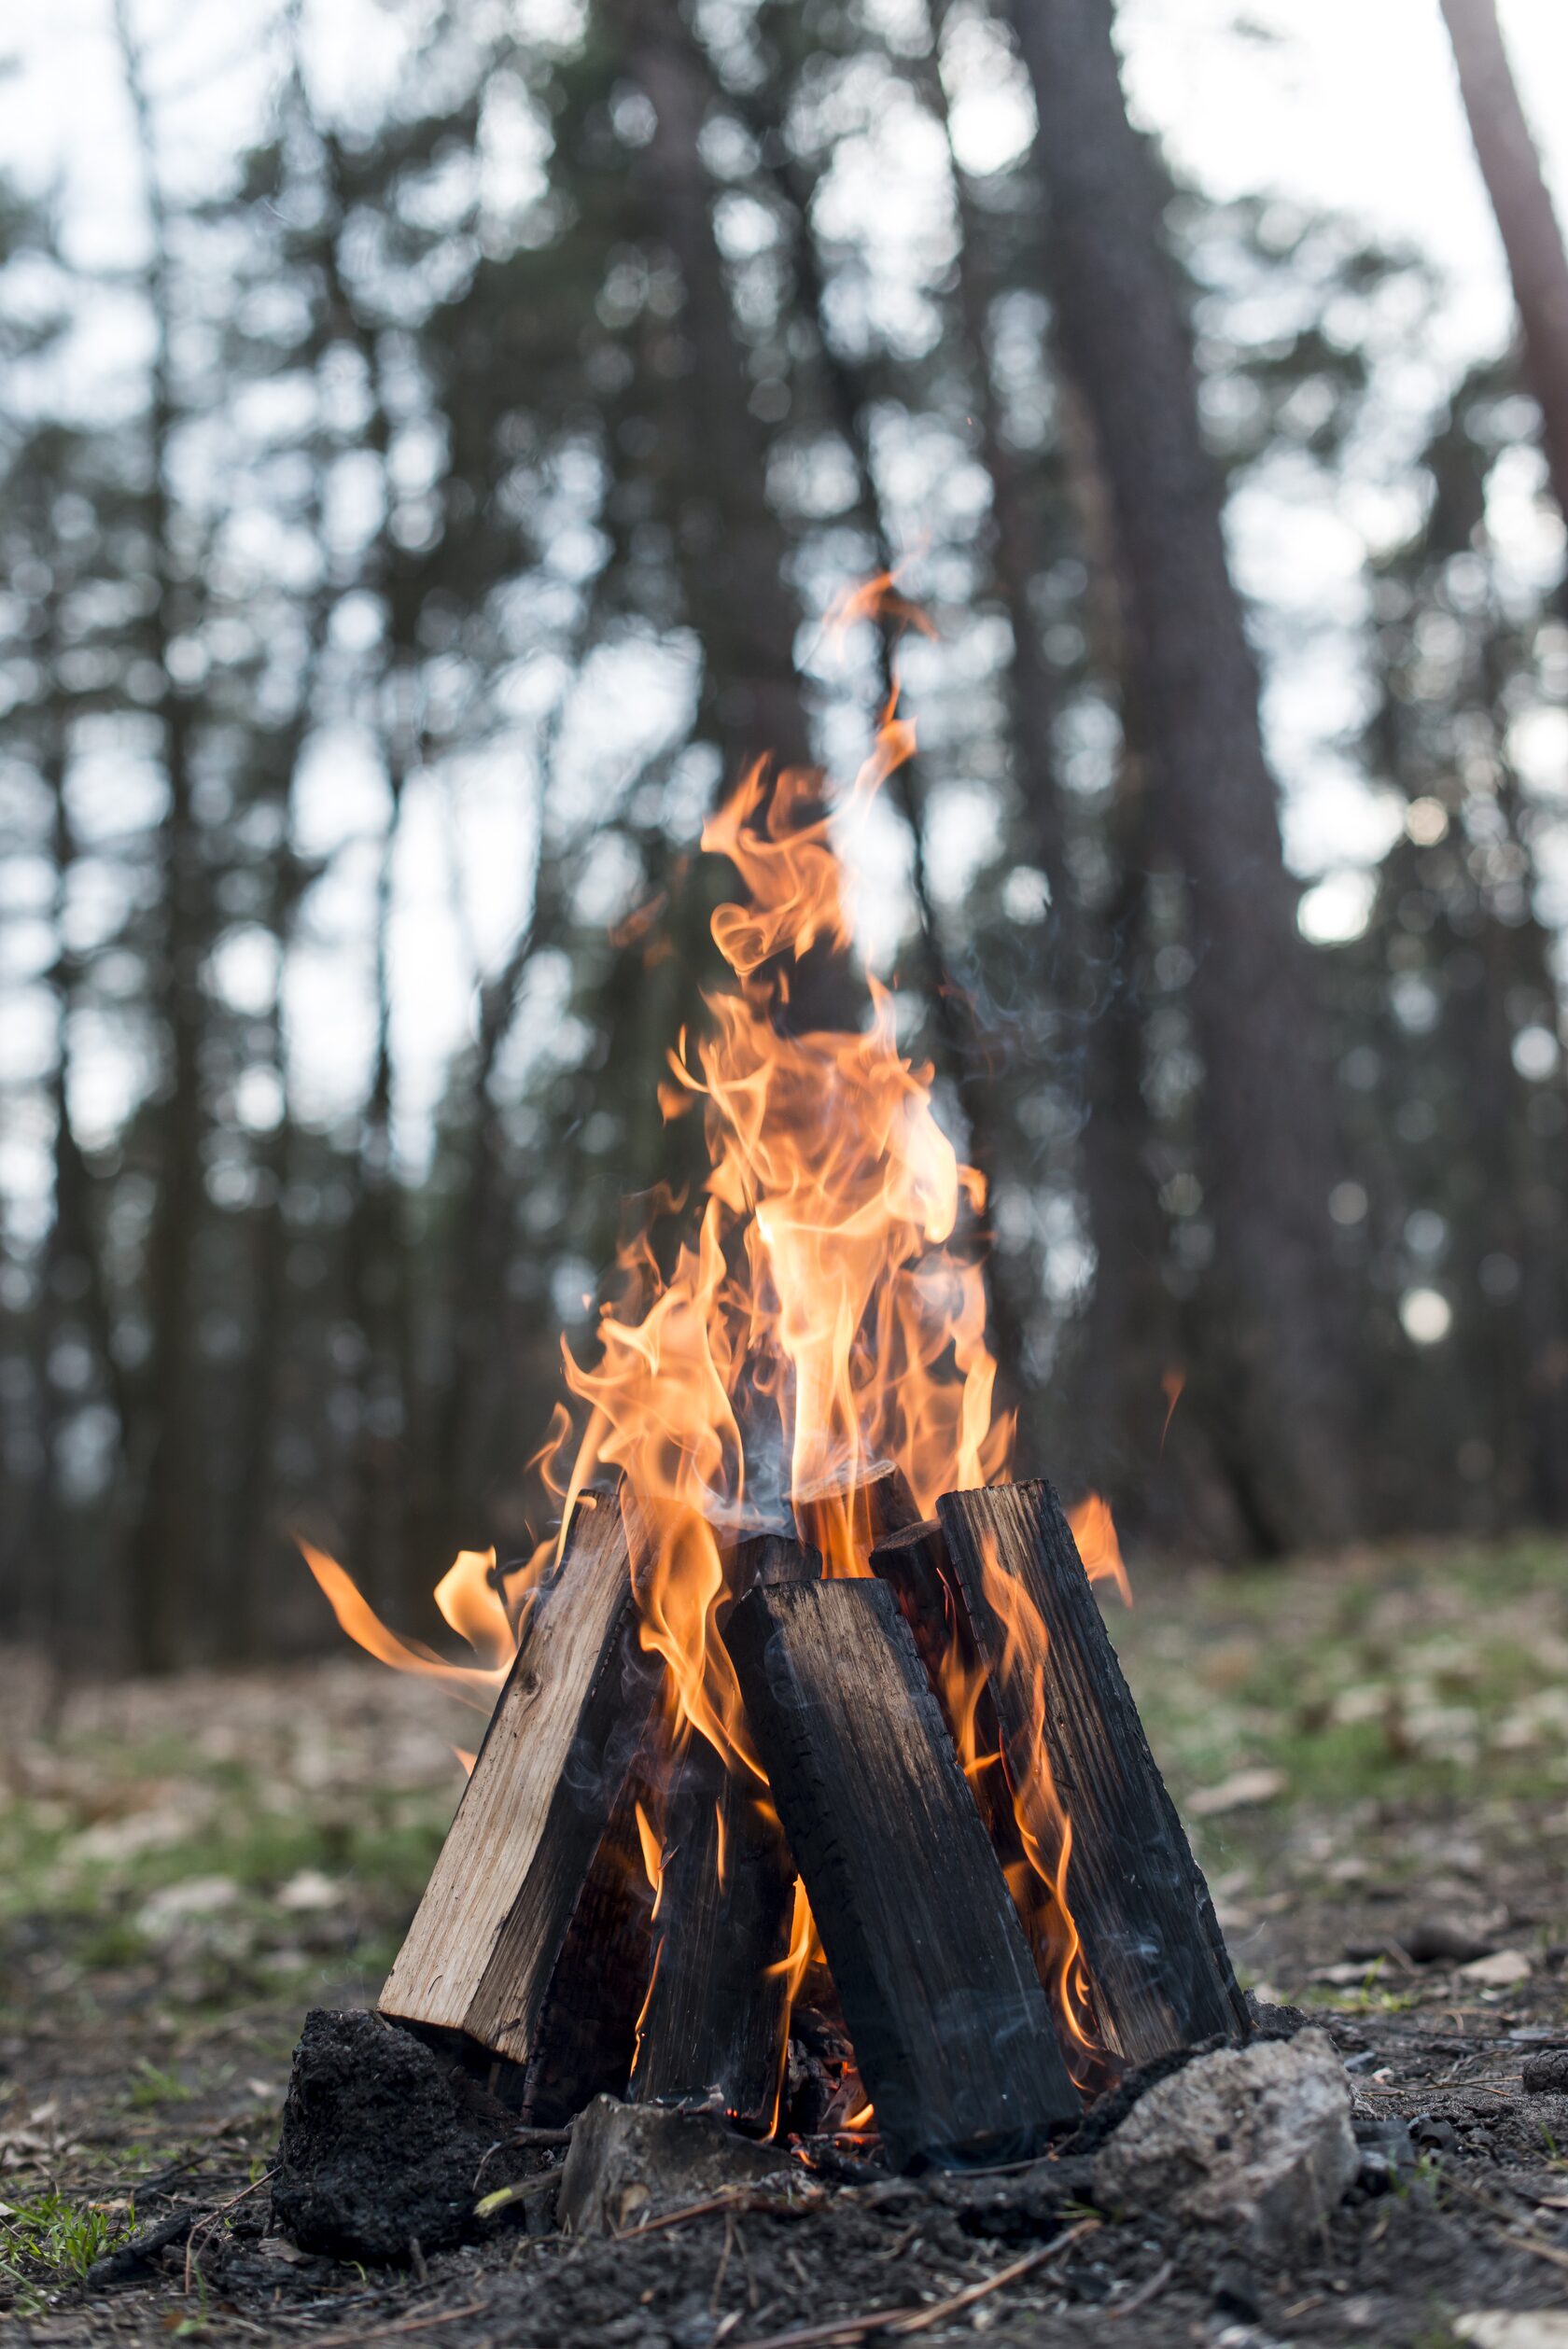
(1044, 1828)
(822, 1315)
(1094, 1531)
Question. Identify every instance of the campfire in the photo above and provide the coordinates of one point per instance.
(812, 1794)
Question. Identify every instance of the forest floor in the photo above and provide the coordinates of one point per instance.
(1362, 1746)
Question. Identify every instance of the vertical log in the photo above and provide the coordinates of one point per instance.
(585, 2038)
(951, 2028)
(713, 2028)
(915, 1566)
(1152, 1945)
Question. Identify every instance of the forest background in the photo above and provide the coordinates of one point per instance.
(431, 437)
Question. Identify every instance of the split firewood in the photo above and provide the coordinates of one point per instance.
(713, 2028)
(1152, 1946)
(951, 2027)
(478, 1956)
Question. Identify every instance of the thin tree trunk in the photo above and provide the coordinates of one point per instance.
(737, 556)
(1265, 1107)
(168, 1538)
(1526, 219)
(959, 1054)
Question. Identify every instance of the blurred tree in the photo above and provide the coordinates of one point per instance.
(1526, 220)
(1275, 1339)
(477, 455)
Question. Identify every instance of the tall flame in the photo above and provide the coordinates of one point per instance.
(825, 1316)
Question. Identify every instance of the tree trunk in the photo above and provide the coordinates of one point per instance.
(1526, 220)
(958, 1053)
(168, 1538)
(733, 553)
(1266, 1107)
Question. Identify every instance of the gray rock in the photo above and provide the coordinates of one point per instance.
(629, 2160)
(1546, 2072)
(1255, 2141)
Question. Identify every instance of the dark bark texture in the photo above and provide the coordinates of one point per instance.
(1268, 1147)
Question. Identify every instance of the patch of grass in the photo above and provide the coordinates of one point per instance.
(49, 2240)
(150, 2088)
(1417, 1678)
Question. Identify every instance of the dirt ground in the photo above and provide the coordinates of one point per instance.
(1366, 1750)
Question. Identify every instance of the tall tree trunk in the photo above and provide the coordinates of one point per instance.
(1267, 1108)
(169, 1537)
(959, 1052)
(737, 555)
(1526, 220)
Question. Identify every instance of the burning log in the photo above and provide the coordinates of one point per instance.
(585, 2039)
(1151, 1942)
(915, 1564)
(951, 2028)
(483, 1944)
(847, 1521)
(713, 2028)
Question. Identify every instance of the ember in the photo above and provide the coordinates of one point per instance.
(796, 1618)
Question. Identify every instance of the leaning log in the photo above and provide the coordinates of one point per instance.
(712, 2031)
(485, 1941)
(951, 2027)
(1151, 1942)
(585, 2038)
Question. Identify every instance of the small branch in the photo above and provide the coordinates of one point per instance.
(845, 2331)
(526, 2190)
(1146, 2292)
(418, 2323)
(204, 2225)
(729, 2197)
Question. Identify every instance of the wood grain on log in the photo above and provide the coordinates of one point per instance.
(1156, 1960)
(951, 2028)
(486, 1938)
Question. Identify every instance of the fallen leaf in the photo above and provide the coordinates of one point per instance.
(1514, 2328)
(1245, 1790)
(1499, 1971)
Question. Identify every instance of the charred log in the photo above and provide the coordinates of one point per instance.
(950, 2025)
(1152, 1945)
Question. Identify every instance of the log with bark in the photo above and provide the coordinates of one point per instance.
(485, 1941)
(951, 2027)
(1151, 1943)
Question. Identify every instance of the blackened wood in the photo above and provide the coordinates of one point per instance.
(912, 1561)
(712, 2032)
(878, 1506)
(767, 1558)
(916, 1565)
(1152, 1946)
(485, 1941)
(951, 2028)
(586, 2034)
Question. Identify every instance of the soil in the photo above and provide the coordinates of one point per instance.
(185, 1870)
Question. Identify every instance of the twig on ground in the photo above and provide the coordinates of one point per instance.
(1145, 2292)
(728, 2197)
(843, 2332)
(527, 2189)
(418, 2323)
(1500, 2210)
(721, 2270)
(203, 2227)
